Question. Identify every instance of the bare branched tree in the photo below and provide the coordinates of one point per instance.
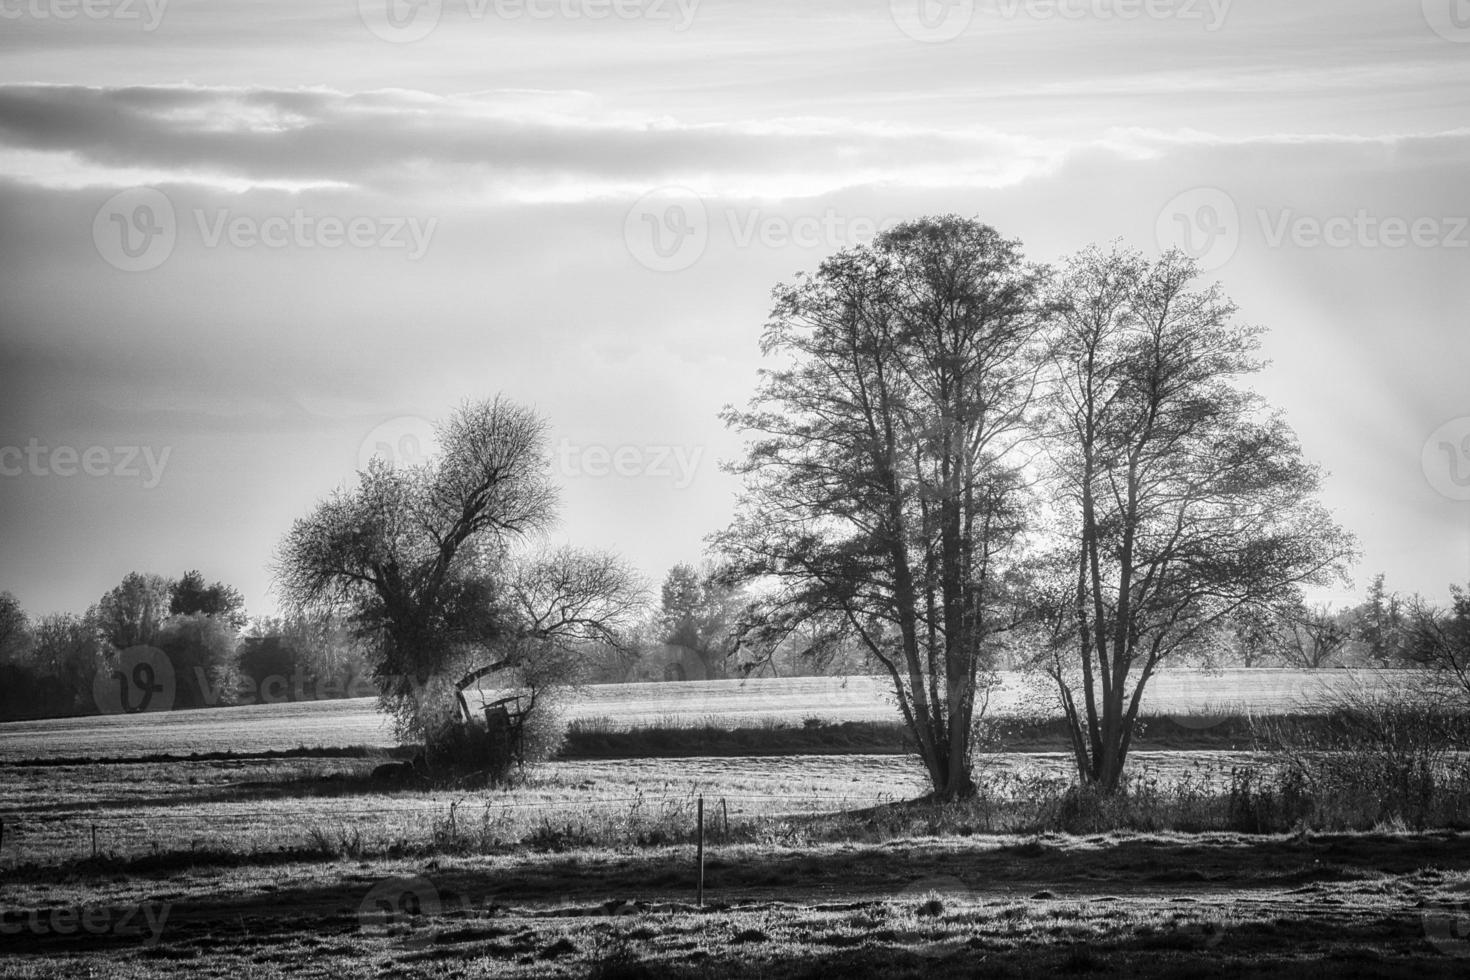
(1312, 636)
(883, 490)
(1440, 640)
(412, 555)
(1181, 498)
(559, 603)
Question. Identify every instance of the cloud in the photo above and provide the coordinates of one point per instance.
(511, 145)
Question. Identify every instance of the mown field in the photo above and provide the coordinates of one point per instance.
(270, 866)
(730, 703)
(249, 807)
(1219, 905)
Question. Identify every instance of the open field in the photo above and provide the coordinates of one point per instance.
(317, 724)
(253, 806)
(303, 866)
(1368, 905)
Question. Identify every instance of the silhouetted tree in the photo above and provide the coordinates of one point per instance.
(201, 648)
(1381, 623)
(700, 612)
(1440, 639)
(883, 492)
(15, 628)
(1181, 499)
(1313, 636)
(190, 595)
(411, 555)
(133, 611)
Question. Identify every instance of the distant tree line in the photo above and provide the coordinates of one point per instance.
(49, 664)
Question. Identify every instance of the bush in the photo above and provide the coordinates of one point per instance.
(1381, 757)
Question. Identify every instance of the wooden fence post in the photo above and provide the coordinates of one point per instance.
(701, 850)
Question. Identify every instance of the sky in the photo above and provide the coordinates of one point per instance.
(244, 244)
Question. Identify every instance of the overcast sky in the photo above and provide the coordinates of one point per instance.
(244, 242)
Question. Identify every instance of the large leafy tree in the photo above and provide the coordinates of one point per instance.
(1382, 623)
(413, 554)
(203, 651)
(15, 628)
(66, 654)
(133, 612)
(192, 595)
(883, 494)
(1180, 498)
(700, 611)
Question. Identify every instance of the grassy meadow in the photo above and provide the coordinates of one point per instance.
(1183, 695)
(280, 855)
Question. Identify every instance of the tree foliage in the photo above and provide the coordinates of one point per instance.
(202, 648)
(133, 611)
(1439, 638)
(700, 611)
(1181, 498)
(884, 496)
(15, 629)
(558, 604)
(191, 595)
(411, 555)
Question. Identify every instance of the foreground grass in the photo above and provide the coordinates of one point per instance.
(245, 808)
(1141, 905)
